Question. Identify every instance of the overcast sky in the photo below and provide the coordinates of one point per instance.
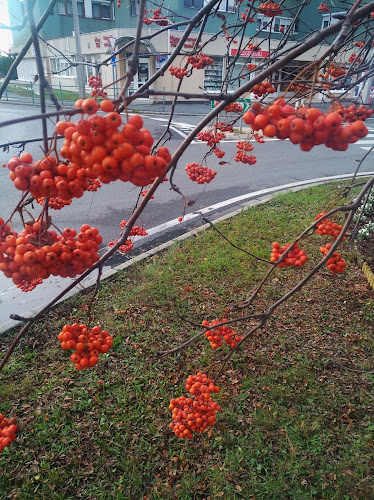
(5, 35)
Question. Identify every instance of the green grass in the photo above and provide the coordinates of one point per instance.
(25, 90)
(294, 424)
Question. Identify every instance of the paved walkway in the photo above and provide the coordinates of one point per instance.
(145, 106)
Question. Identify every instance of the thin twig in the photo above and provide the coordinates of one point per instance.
(233, 244)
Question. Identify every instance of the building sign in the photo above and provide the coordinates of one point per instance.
(258, 54)
(97, 42)
(109, 41)
(188, 44)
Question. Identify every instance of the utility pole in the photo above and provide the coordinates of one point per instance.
(81, 77)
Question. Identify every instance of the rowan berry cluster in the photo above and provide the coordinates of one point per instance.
(199, 173)
(8, 431)
(336, 70)
(252, 46)
(359, 43)
(97, 148)
(305, 126)
(263, 88)
(224, 127)
(97, 86)
(55, 203)
(233, 107)
(352, 57)
(36, 252)
(146, 20)
(258, 138)
(270, 9)
(218, 152)
(242, 157)
(125, 248)
(94, 185)
(88, 344)
(144, 192)
(220, 333)
(197, 414)
(200, 61)
(210, 138)
(178, 72)
(323, 8)
(251, 67)
(94, 149)
(155, 17)
(300, 88)
(128, 245)
(352, 113)
(244, 17)
(135, 230)
(328, 228)
(336, 264)
(244, 145)
(28, 286)
(295, 257)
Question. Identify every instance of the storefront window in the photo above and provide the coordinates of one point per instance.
(213, 75)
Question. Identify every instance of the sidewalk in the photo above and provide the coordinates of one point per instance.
(145, 106)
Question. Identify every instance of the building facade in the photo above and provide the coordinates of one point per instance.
(103, 25)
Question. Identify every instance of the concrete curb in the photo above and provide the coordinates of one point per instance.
(150, 253)
(365, 269)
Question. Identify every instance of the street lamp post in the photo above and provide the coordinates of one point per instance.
(81, 79)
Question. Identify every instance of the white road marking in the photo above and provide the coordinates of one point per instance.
(245, 197)
(180, 127)
(36, 302)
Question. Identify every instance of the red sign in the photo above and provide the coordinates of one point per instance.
(188, 44)
(107, 40)
(258, 54)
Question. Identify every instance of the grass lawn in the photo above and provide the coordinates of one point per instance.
(25, 90)
(294, 423)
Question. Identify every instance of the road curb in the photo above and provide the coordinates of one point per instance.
(261, 198)
(365, 268)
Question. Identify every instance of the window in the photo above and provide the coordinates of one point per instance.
(62, 67)
(193, 4)
(91, 58)
(134, 8)
(328, 19)
(213, 76)
(276, 24)
(227, 6)
(65, 8)
(101, 10)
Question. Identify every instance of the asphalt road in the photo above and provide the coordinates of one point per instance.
(278, 163)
